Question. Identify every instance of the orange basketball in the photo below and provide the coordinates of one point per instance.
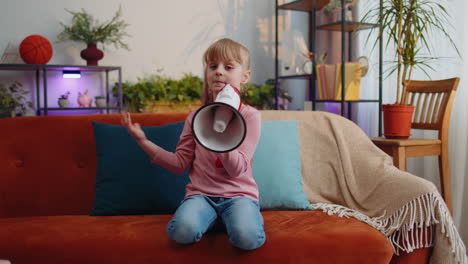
(35, 49)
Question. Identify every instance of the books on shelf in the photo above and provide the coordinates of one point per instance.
(329, 81)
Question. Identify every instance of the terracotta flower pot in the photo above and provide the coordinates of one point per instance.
(397, 121)
(92, 54)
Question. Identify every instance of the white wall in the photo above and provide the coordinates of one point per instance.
(171, 35)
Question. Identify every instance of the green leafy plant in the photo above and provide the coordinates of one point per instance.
(85, 28)
(157, 88)
(186, 89)
(406, 25)
(261, 96)
(13, 100)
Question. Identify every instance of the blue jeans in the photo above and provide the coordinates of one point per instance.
(198, 214)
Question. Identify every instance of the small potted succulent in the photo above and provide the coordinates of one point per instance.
(63, 100)
(100, 101)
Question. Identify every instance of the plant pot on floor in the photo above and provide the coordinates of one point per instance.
(397, 121)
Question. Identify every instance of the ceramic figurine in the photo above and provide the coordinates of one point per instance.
(84, 99)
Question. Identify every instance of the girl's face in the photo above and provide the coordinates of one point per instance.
(220, 73)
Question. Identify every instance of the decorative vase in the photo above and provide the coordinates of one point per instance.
(92, 54)
(84, 99)
(100, 101)
(63, 102)
(397, 121)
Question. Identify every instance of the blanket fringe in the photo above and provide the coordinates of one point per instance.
(412, 226)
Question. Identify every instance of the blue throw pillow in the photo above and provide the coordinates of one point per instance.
(277, 167)
(127, 183)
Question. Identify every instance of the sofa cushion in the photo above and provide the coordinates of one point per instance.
(292, 237)
(127, 182)
(277, 167)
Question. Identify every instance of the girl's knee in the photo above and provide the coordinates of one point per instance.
(184, 232)
(247, 238)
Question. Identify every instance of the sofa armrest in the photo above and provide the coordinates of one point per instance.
(418, 256)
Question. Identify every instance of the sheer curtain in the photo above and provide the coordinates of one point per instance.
(450, 65)
(459, 124)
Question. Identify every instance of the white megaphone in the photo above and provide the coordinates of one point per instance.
(219, 126)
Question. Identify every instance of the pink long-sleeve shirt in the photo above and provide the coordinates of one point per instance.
(214, 174)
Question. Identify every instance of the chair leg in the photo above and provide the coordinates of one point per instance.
(444, 174)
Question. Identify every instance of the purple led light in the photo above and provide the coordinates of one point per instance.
(71, 74)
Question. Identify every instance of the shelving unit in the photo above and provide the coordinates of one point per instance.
(343, 26)
(45, 68)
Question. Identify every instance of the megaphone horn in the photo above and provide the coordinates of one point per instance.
(219, 126)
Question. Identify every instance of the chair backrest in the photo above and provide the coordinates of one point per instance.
(433, 102)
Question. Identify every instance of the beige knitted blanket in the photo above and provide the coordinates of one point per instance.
(344, 173)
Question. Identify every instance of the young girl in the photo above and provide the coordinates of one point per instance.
(221, 188)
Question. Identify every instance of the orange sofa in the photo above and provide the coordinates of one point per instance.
(47, 187)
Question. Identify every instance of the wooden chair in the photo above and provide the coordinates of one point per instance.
(433, 102)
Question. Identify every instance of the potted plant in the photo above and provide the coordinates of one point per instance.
(262, 96)
(406, 26)
(157, 93)
(334, 8)
(100, 101)
(183, 95)
(13, 101)
(63, 100)
(85, 28)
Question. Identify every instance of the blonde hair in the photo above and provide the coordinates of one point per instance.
(223, 50)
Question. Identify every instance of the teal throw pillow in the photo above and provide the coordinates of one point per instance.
(277, 167)
(127, 183)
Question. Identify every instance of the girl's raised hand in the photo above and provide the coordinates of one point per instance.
(133, 128)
